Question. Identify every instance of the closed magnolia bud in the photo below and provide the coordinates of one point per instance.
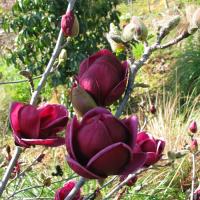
(128, 33)
(168, 24)
(193, 127)
(136, 29)
(152, 109)
(81, 101)
(62, 56)
(194, 146)
(70, 24)
(196, 18)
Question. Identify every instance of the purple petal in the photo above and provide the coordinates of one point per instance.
(118, 132)
(110, 160)
(92, 138)
(148, 146)
(92, 82)
(143, 136)
(85, 64)
(53, 118)
(19, 142)
(151, 158)
(29, 122)
(94, 112)
(136, 163)
(132, 125)
(116, 92)
(14, 115)
(71, 134)
(160, 146)
(52, 142)
(82, 171)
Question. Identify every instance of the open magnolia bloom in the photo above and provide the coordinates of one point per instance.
(102, 145)
(153, 147)
(38, 126)
(104, 77)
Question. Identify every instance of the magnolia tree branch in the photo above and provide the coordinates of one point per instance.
(123, 183)
(33, 100)
(40, 186)
(176, 40)
(9, 169)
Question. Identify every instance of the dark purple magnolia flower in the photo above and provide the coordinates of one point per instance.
(67, 22)
(38, 126)
(102, 145)
(103, 77)
(148, 144)
(65, 190)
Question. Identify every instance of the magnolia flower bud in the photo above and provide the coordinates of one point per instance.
(70, 24)
(153, 109)
(193, 127)
(194, 146)
(81, 101)
(168, 24)
(62, 56)
(196, 18)
(136, 29)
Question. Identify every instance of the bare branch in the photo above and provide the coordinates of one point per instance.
(182, 36)
(193, 177)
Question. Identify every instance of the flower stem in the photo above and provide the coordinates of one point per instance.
(10, 169)
(193, 176)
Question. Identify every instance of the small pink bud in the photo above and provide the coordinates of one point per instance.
(131, 182)
(153, 109)
(194, 146)
(193, 127)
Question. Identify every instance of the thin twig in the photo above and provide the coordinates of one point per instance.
(123, 183)
(39, 186)
(35, 161)
(193, 176)
(92, 196)
(9, 169)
